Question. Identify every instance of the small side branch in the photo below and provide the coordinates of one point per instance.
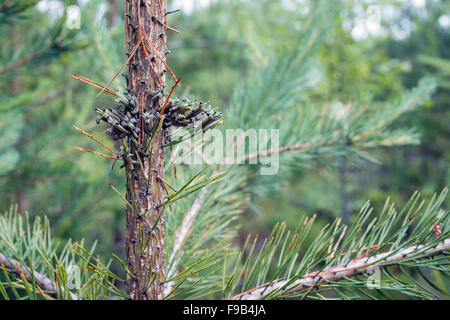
(342, 271)
(41, 280)
(166, 26)
(180, 238)
(22, 61)
(295, 148)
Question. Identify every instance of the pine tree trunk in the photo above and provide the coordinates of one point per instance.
(146, 263)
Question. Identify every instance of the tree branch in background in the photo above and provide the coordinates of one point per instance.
(22, 61)
(299, 147)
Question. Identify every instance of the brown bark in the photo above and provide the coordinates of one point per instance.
(146, 263)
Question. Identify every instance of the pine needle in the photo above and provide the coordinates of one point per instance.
(133, 52)
(97, 153)
(93, 138)
(92, 83)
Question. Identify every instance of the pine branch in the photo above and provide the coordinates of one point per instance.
(22, 61)
(39, 279)
(36, 48)
(288, 263)
(204, 226)
(351, 269)
(29, 251)
(180, 238)
(13, 9)
(299, 147)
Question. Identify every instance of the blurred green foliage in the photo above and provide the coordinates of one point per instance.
(382, 67)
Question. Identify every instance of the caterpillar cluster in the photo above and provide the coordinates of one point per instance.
(123, 120)
(196, 114)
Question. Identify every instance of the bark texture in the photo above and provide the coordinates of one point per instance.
(146, 263)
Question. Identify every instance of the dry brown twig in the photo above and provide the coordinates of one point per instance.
(97, 153)
(95, 139)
